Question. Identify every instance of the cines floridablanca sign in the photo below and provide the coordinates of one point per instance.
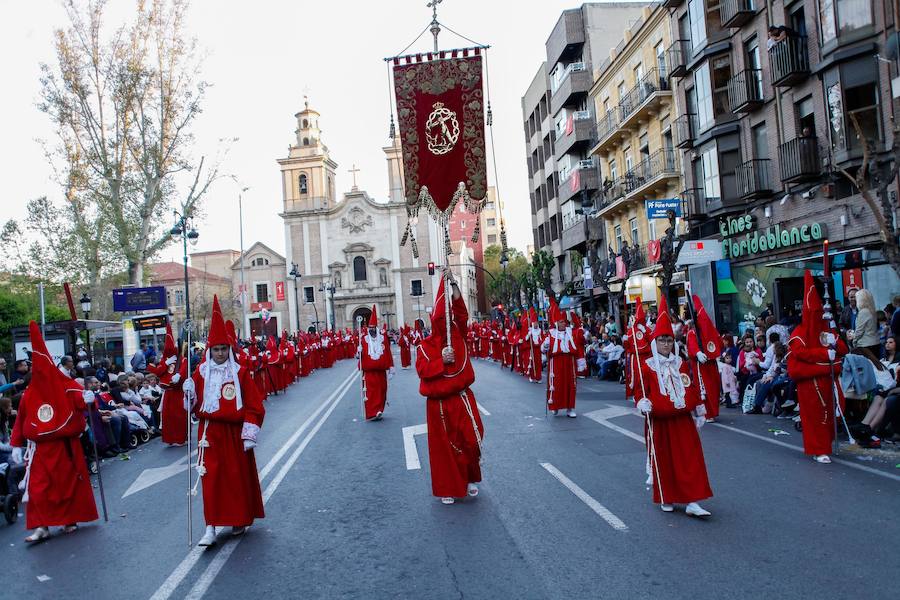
(766, 240)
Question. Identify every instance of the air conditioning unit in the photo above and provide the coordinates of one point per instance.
(579, 66)
(586, 164)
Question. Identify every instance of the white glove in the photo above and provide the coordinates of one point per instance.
(699, 422)
(644, 406)
(581, 364)
(830, 340)
(248, 444)
(188, 387)
(16, 455)
(701, 358)
(700, 411)
(176, 377)
(831, 354)
(171, 360)
(88, 397)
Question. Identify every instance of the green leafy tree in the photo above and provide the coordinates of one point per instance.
(20, 303)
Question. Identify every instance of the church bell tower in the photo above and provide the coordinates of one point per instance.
(308, 172)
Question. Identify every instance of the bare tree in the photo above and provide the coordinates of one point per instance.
(123, 108)
(872, 179)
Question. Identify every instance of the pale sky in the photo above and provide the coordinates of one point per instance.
(261, 56)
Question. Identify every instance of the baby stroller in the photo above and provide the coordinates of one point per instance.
(137, 427)
(10, 496)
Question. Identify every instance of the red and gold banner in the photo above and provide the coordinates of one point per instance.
(440, 108)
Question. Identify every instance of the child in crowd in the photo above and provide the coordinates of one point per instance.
(728, 374)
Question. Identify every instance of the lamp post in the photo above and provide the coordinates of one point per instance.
(184, 230)
(328, 287)
(86, 309)
(388, 316)
(241, 227)
(295, 273)
(504, 289)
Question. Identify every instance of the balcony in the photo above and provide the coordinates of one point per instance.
(753, 180)
(693, 204)
(651, 175)
(573, 87)
(612, 192)
(799, 159)
(580, 136)
(685, 130)
(789, 61)
(573, 233)
(745, 91)
(605, 138)
(567, 37)
(644, 98)
(580, 178)
(736, 13)
(677, 56)
(672, 3)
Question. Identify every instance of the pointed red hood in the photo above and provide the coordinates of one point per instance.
(710, 340)
(169, 346)
(555, 315)
(218, 335)
(663, 321)
(373, 318)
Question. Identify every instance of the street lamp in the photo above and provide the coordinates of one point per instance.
(295, 273)
(86, 309)
(328, 287)
(184, 231)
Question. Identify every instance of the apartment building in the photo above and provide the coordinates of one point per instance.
(766, 128)
(559, 125)
(635, 150)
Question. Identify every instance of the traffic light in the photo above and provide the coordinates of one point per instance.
(431, 268)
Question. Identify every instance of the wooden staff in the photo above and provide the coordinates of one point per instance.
(637, 360)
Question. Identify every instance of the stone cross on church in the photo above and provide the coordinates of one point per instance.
(353, 172)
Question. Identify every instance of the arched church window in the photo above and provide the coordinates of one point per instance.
(305, 124)
(359, 269)
(306, 141)
(304, 184)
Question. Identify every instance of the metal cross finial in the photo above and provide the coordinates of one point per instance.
(435, 26)
(353, 171)
(306, 90)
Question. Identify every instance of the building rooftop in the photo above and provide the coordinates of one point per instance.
(173, 271)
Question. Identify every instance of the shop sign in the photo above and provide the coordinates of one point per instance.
(659, 209)
(764, 240)
(698, 252)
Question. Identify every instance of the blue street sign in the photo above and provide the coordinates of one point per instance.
(656, 209)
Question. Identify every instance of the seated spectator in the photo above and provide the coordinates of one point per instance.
(886, 386)
(151, 393)
(610, 356)
(773, 326)
(775, 378)
(67, 367)
(115, 424)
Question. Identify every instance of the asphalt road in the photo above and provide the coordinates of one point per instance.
(563, 512)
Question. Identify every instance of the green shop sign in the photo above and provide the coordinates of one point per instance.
(767, 240)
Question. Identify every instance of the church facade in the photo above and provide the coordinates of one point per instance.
(348, 250)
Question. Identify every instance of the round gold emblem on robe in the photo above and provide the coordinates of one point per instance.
(228, 391)
(711, 347)
(45, 413)
(685, 380)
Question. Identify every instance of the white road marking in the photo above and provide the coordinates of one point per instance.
(409, 445)
(150, 477)
(218, 562)
(603, 415)
(840, 461)
(482, 409)
(43, 578)
(604, 513)
(169, 586)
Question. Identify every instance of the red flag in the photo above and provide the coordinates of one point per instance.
(620, 267)
(654, 250)
(570, 125)
(575, 180)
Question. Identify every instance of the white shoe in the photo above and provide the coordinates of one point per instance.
(571, 413)
(236, 531)
(695, 510)
(447, 500)
(472, 490)
(379, 415)
(209, 537)
(666, 507)
(822, 459)
(553, 412)
(40, 534)
(711, 420)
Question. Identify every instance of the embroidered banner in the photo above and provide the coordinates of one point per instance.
(440, 109)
